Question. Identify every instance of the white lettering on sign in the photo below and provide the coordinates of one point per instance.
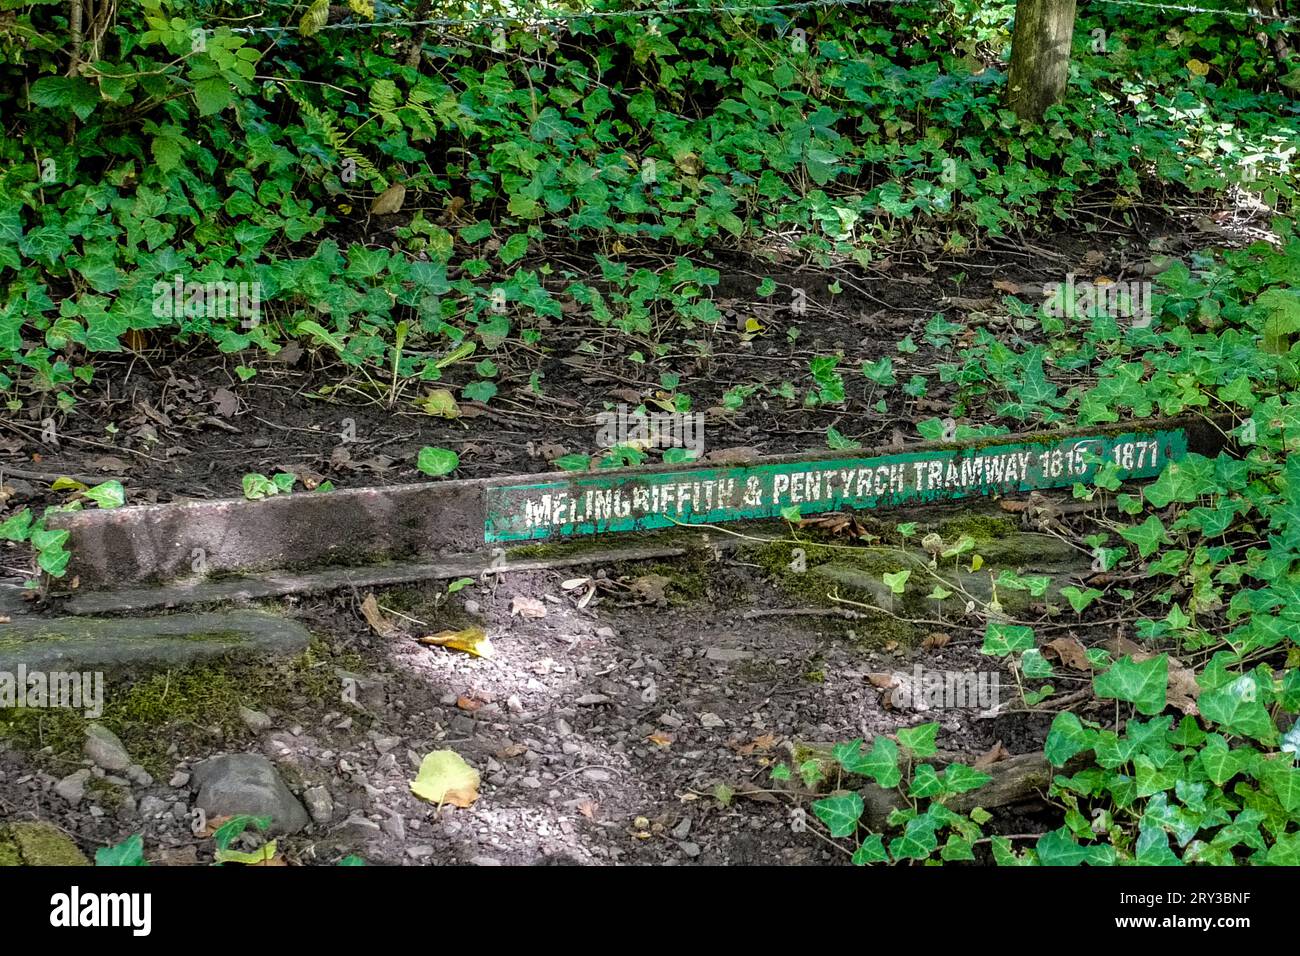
(819, 486)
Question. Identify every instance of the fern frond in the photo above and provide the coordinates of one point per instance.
(336, 139)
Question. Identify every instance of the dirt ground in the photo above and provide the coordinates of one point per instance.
(639, 728)
(632, 730)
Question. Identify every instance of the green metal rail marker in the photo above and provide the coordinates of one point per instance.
(631, 501)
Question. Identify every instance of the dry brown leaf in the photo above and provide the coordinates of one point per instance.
(1121, 646)
(389, 201)
(993, 755)
(510, 751)
(225, 401)
(739, 455)
(651, 587)
(843, 522)
(588, 809)
(528, 607)
(550, 451)
(1006, 285)
(375, 617)
(760, 744)
(109, 463)
(936, 640)
(470, 640)
(751, 792)
(660, 739)
(1070, 652)
(1183, 689)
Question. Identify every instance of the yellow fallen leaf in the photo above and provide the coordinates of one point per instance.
(471, 640)
(1198, 68)
(440, 403)
(445, 777)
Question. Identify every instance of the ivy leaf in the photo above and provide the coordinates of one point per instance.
(130, 852)
(437, 461)
(1059, 848)
(835, 439)
(1001, 639)
(1153, 847)
(956, 849)
(257, 487)
(1236, 708)
(1142, 684)
(959, 778)
(840, 813)
(514, 248)
(1148, 536)
(880, 763)
(917, 842)
(1066, 738)
(17, 526)
(872, 850)
(1282, 780)
(896, 581)
(925, 782)
(880, 372)
(480, 391)
(109, 494)
(1181, 481)
(920, 740)
(573, 462)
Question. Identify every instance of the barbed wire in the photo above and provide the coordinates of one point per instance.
(651, 12)
(1181, 8)
(636, 14)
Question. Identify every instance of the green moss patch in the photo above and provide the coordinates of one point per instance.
(26, 843)
(195, 705)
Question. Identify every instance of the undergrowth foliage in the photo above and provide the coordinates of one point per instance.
(395, 214)
(184, 148)
(1216, 541)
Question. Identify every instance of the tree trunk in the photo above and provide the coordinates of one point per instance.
(1040, 56)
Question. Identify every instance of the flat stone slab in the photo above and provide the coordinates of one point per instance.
(64, 643)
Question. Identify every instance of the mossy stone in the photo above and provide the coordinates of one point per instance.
(33, 843)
